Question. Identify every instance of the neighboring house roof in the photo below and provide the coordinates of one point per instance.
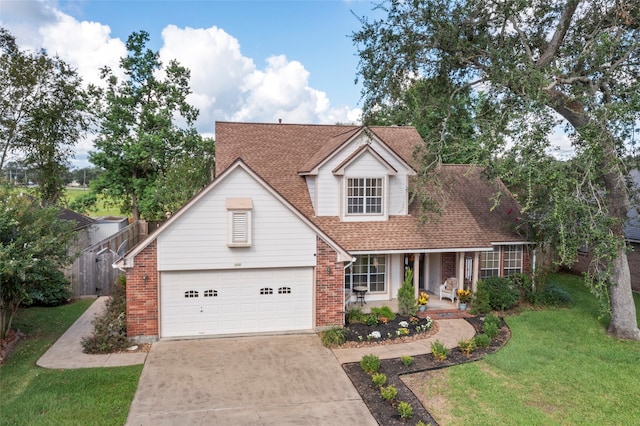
(632, 227)
(80, 220)
(280, 153)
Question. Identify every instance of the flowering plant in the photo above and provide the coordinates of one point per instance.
(464, 296)
(423, 298)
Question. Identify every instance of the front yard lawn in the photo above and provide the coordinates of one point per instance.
(31, 395)
(560, 367)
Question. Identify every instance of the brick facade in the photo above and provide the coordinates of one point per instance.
(142, 295)
(329, 295)
(448, 266)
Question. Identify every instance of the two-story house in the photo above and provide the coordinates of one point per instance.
(298, 216)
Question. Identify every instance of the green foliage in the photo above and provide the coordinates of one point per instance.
(384, 311)
(379, 379)
(371, 320)
(355, 315)
(439, 351)
(31, 238)
(492, 319)
(524, 95)
(389, 393)
(151, 164)
(556, 296)
(370, 363)
(466, 346)
(110, 329)
(333, 337)
(407, 360)
(50, 289)
(43, 114)
(481, 302)
(482, 340)
(503, 294)
(491, 326)
(405, 410)
(407, 304)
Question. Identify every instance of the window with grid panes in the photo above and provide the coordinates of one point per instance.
(368, 271)
(512, 263)
(364, 196)
(490, 263)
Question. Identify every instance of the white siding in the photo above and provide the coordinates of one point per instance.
(311, 187)
(198, 239)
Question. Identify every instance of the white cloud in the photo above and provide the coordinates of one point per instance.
(226, 85)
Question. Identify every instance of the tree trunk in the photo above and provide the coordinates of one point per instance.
(623, 322)
(134, 207)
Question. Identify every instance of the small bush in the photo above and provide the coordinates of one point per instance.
(407, 303)
(556, 296)
(466, 346)
(333, 337)
(371, 320)
(384, 311)
(407, 360)
(355, 315)
(491, 330)
(492, 319)
(503, 293)
(480, 304)
(482, 341)
(405, 410)
(370, 363)
(110, 329)
(52, 289)
(379, 379)
(439, 351)
(389, 393)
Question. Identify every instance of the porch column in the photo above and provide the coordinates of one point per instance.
(476, 271)
(416, 274)
(460, 269)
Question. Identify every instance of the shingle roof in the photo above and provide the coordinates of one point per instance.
(279, 152)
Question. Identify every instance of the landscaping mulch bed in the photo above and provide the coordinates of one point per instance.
(357, 334)
(386, 413)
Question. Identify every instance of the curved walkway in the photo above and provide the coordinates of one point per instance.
(66, 352)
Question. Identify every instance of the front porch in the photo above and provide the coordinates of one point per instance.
(436, 308)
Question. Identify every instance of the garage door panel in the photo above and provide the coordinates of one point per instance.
(238, 305)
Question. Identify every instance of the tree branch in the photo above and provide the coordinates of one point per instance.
(558, 36)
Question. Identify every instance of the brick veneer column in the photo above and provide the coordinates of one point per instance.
(448, 266)
(142, 295)
(329, 286)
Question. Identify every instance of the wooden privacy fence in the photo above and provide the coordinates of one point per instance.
(92, 272)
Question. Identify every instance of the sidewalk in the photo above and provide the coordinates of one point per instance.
(66, 352)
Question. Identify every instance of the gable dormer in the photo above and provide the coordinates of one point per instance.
(360, 179)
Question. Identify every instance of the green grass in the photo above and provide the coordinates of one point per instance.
(560, 367)
(30, 395)
(71, 194)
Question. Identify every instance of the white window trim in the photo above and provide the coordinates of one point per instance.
(239, 223)
(495, 252)
(349, 282)
(509, 250)
(357, 216)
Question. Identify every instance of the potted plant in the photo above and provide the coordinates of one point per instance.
(422, 301)
(464, 297)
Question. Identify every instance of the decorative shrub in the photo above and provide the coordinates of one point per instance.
(384, 311)
(110, 329)
(407, 360)
(333, 337)
(503, 293)
(490, 329)
(492, 319)
(379, 379)
(466, 346)
(480, 303)
(407, 304)
(52, 289)
(439, 351)
(389, 393)
(405, 410)
(482, 340)
(371, 320)
(355, 315)
(556, 296)
(370, 363)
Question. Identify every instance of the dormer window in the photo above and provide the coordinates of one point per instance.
(364, 196)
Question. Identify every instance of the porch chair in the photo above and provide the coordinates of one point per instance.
(449, 288)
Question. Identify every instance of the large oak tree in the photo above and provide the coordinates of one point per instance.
(539, 64)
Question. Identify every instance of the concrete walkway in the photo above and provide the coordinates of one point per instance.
(66, 352)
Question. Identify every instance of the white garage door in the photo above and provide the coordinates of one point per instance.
(232, 302)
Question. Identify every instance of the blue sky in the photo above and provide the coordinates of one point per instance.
(250, 60)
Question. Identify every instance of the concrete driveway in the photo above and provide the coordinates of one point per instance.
(265, 380)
